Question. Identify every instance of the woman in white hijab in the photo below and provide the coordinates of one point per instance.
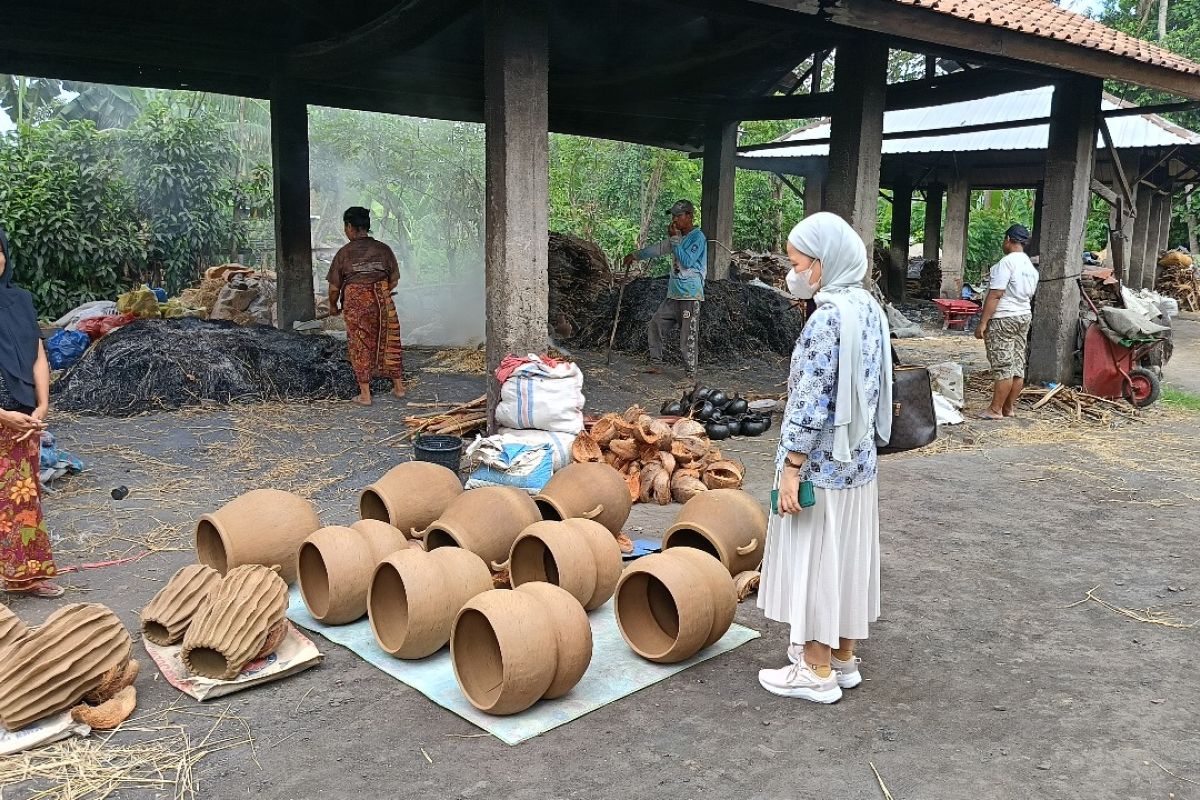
(821, 565)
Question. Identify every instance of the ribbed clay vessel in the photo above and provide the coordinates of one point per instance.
(411, 495)
(263, 526)
(11, 627)
(673, 604)
(415, 596)
(233, 625)
(53, 667)
(593, 491)
(485, 521)
(167, 617)
(511, 648)
(728, 524)
(578, 555)
(336, 565)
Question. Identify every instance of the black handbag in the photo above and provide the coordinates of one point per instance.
(914, 420)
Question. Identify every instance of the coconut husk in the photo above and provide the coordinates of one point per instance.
(688, 427)
(625, 449)
(647, 453)
(746, 582)
(114, 681)
(724, 474)
(643, 430)
(612, 459)
(625, 543)
(668, 462)
(633, 482)
(108, 714)
(712, 456)
(649, 474)
(605, 429)
(662, 488)
(585, 448)
(664, 433)
(633, 413)
(689, 449)
(686, 484)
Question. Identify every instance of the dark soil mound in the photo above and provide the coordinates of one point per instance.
(158, 365)
(736, 319)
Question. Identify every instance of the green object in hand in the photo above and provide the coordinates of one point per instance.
(807, 497)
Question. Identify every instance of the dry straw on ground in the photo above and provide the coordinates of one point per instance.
(1149, 615)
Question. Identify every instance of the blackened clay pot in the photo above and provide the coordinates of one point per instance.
(728, 524)
(673, 604)
(415, 596)
(511, 648)
(592, 491)
(263, 526)
(410, 496)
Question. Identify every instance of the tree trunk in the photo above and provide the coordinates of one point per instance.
(1190, 217)
(650, 198)
(777, 245)
(1162, 20)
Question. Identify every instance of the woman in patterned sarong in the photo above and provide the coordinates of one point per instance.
(361, 280)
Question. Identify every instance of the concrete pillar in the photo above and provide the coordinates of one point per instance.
(717, 192)
(954, 244)
(814, 194)
(933, 222)
(1142, 240)
(516, 58)
(897, 276)
(293, 235)
(856, 137)
(1068, 177)
(1035, 235)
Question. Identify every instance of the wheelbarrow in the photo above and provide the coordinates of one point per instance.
(955, 313)
(1113, 370)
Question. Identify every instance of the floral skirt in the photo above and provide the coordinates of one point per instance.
(372, 331)
(25, 556)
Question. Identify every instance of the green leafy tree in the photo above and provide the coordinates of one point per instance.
(180, 169)
(69, 213)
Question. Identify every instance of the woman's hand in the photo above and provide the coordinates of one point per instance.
(24, 424)
(789, 491)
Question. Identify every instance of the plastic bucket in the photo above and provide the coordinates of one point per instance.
(444, 450)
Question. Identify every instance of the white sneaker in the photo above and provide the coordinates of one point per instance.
(847, 672)
(800, 681)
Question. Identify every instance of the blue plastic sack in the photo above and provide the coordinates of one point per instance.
(160, 293)
(65, 348)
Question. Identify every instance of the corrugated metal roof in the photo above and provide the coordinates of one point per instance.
(1147, 130)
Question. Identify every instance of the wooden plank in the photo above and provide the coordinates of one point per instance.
(1100, 190)
(1119, 170)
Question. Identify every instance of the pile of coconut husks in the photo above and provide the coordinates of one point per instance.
(661, 461)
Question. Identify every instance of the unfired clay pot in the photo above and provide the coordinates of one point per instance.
(410, 496)
(513, 648)
(588, 491)
(578, 555)
(168, 615)
(51, 668)
(263, 526)
(485, 521)
(336, 565)
(415, 595)
(11, 627)
(233, 626)
(673, 604)
(726, 523)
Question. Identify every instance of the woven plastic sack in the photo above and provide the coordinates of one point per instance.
(542, 396)
(65, 348)
(96, 327)
(141, 303)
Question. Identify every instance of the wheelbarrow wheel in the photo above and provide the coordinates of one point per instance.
(1143, 387)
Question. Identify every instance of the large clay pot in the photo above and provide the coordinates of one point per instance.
(588, 491)
(168, 615)
(336, 565)
(11, 627)
(51, 668)
(485, 521)
(513, 648)
(233, 626)
(415, 595)
(578, 555)
(726, 523)
(410, 496)
(263, 526)
(671, 605)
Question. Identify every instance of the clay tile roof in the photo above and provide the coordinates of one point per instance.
(1044, 19)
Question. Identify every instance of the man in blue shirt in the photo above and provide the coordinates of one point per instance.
(679, 314)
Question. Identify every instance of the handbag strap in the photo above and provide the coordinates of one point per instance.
(896, 362)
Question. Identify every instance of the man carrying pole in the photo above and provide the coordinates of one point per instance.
(679, 314)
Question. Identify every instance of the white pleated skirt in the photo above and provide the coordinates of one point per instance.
(820, 572)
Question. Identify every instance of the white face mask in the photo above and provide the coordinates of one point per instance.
(798, 285)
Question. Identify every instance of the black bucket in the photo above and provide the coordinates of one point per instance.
(444, 450)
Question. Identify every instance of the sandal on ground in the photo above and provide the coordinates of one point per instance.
(44, 589)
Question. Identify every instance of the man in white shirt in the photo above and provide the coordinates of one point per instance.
(1004, 326)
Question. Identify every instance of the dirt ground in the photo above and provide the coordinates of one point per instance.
(986, 678)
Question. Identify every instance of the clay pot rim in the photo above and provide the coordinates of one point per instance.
(383, 501)
(724, 556)
(674, 584)
(212, 522)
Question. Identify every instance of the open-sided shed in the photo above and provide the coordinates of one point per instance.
(654, 71)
